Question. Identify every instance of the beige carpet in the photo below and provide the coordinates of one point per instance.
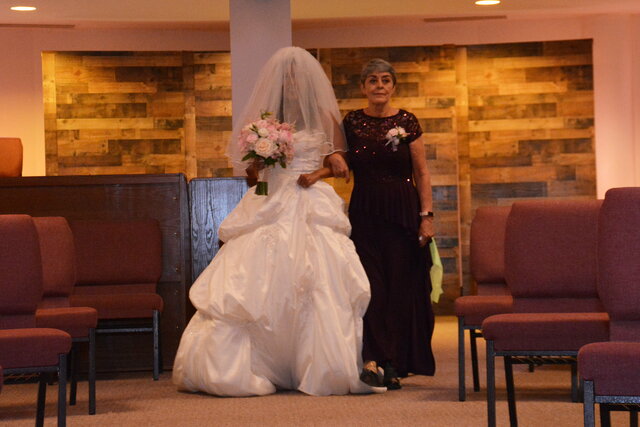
(134, 399)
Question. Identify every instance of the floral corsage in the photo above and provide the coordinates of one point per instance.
(395, 136)
(268, 140)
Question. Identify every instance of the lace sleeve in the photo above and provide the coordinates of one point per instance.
(412, 127)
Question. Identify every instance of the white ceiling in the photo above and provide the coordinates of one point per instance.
(215, 13)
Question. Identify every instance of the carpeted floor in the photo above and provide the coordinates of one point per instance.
(134, 400)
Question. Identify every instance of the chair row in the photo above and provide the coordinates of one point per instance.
(61, 282)
(553, 257)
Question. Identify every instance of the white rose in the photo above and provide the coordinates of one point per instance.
(393, 132)
(263, 132)
(265, 147)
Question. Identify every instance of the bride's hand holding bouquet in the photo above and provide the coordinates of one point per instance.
(268, 142)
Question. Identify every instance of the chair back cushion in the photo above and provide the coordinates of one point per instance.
(10, 157)
(58, 260)
(619, 261)
(551, 252)
(20, 271)
(487, 246)
(111, 252)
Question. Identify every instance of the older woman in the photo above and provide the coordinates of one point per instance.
(391, 213)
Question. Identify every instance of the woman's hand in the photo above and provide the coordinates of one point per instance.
(338, 165)
(253, 169)
(306, 180)
(426, 232)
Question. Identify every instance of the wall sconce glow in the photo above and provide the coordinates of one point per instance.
(487, 2)
(23, 8)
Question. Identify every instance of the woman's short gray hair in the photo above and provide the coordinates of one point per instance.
(377, 65)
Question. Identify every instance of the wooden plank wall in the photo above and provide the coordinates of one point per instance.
(502, 122)
(136, 112)
(530, 125)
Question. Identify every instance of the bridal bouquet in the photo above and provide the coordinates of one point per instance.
(267, 140)
(394, 136)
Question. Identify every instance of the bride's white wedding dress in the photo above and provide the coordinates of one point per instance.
(281, 304)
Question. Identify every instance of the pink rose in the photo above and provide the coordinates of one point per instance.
(265, 147)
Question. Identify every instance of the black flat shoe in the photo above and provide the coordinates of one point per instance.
(391, 380)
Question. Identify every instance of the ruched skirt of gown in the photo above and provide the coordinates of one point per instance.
(281, 304)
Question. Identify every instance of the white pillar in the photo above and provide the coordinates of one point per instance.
(258, 29)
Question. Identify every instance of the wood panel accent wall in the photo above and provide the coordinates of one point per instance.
(530, 120)
(502, 122)
(162, 197)
(137, 112)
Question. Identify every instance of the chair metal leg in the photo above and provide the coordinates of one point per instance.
(589, 405)
(160, 361)
(92, 371)
(511, 395)
(574, 382)
(62, 390)
(42, 397)
(491, 386)
(156, 345)
(73, 368)
(461, 361)
(605, 415)
(473, 334)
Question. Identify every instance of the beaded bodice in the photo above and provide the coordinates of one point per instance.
(371, 156)
(383, 185)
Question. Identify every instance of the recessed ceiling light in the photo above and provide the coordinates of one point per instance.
(23, 8)
(487, 2)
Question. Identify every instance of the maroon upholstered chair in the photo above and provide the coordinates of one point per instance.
(23, 347)
(54, 311)
(487, 271)
(10, 157)
(119, 264)
(611, 371)
(550, 266)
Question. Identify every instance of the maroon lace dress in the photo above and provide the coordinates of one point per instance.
(384, 212)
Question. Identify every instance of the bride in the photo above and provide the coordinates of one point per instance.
(281, 304)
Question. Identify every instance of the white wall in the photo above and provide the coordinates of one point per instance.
(616, 71)
(615, 127)
(635, 92)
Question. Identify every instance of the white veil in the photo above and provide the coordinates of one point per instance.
(293, 87)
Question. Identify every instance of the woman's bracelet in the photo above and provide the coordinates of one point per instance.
(427, 214)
